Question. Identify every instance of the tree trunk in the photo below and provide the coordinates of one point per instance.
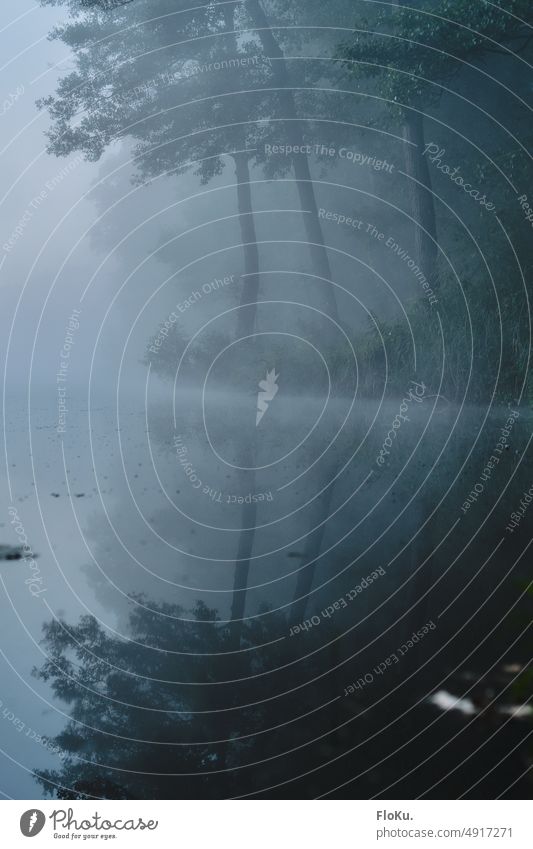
(246, 317)
(313, 544)
(322, 267)
(250, 284)
(302, 172)
(245, 326)
(244, 549)
(422, 204)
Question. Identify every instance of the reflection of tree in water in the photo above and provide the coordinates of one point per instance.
(133, 730)
(111, 102)
(138, 728)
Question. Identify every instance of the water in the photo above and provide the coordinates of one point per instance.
(132, 513)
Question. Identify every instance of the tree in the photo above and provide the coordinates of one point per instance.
(411, 54)
(149, 59)
(287, 104)
(140, 101)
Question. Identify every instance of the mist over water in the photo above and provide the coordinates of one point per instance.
(267, 403)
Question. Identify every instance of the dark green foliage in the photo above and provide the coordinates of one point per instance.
(413, 52)
(151, 711)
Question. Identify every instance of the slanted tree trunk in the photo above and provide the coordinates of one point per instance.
(245, 325)
(422, 203)
(322, 267)
(246, 317)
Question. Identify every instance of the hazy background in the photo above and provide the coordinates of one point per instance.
(108, 508)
